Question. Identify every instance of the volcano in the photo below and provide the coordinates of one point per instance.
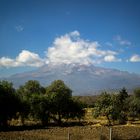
(82, 79)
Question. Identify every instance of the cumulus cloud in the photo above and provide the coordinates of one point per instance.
(122, 41)
(6, 62)
(66, 49)
(25, 58)
(111, 58)
(70, 48)
(135, 58)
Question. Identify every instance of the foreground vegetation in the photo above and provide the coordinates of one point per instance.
(31, 110)
(56, 104)
(32, 101)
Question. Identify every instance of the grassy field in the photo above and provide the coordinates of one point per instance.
(88, 129)
(88, 132)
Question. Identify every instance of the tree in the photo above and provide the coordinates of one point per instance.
(9, 102)
(122, 95)
(103, 106)
(26, 93)
(134, 107)
(40, 108)
(75, 110)
(110, 105)
(24, 109)
(59, 95)
(133, 103)
(30, 87)
(137, 92)
(122, 106)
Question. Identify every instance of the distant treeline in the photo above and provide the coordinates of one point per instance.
(56, 103)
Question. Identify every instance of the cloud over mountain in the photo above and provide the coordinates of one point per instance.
(70, 48)
(71, 59)
(25, 58)
(66, 49)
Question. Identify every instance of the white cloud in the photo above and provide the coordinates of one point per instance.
(70, 48)
(66, 49)
(111, 58)
(135, 58)
(122, 41)
(30, 59)
(25, 58)
(73, 34)
(6, 62)
(19, 28)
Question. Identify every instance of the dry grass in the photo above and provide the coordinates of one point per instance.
(89, 132)
(93, 129)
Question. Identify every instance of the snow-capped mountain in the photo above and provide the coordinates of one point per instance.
(82, 79)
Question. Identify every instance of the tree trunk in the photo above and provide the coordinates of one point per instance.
(59, 118)
(109, 122)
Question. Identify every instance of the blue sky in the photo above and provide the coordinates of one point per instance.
(34, 33)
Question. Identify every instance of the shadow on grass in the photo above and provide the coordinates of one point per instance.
(35, 127)
(22, 128)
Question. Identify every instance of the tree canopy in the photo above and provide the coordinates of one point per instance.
(111, 106)
(9, 102)
(60, 96)
(55, 102)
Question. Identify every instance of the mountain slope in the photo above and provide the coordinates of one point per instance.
(82, 79)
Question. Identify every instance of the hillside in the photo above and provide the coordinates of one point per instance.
(82, 79)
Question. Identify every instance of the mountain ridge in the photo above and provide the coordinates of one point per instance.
(82, 79)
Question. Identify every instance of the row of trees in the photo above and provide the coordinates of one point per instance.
(31, 100)
(56, 103)
(118, 107)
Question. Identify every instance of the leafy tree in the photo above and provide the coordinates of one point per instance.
(40, 108)
(134, 107)
(30, 87)
(26, 93)
(110, 105)
(59, 95)
(122, 95)
(9, 102)
(75, 110)
(137, 92)
(103, 106)
(133, 103)
(122, 106)
(24, 110)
